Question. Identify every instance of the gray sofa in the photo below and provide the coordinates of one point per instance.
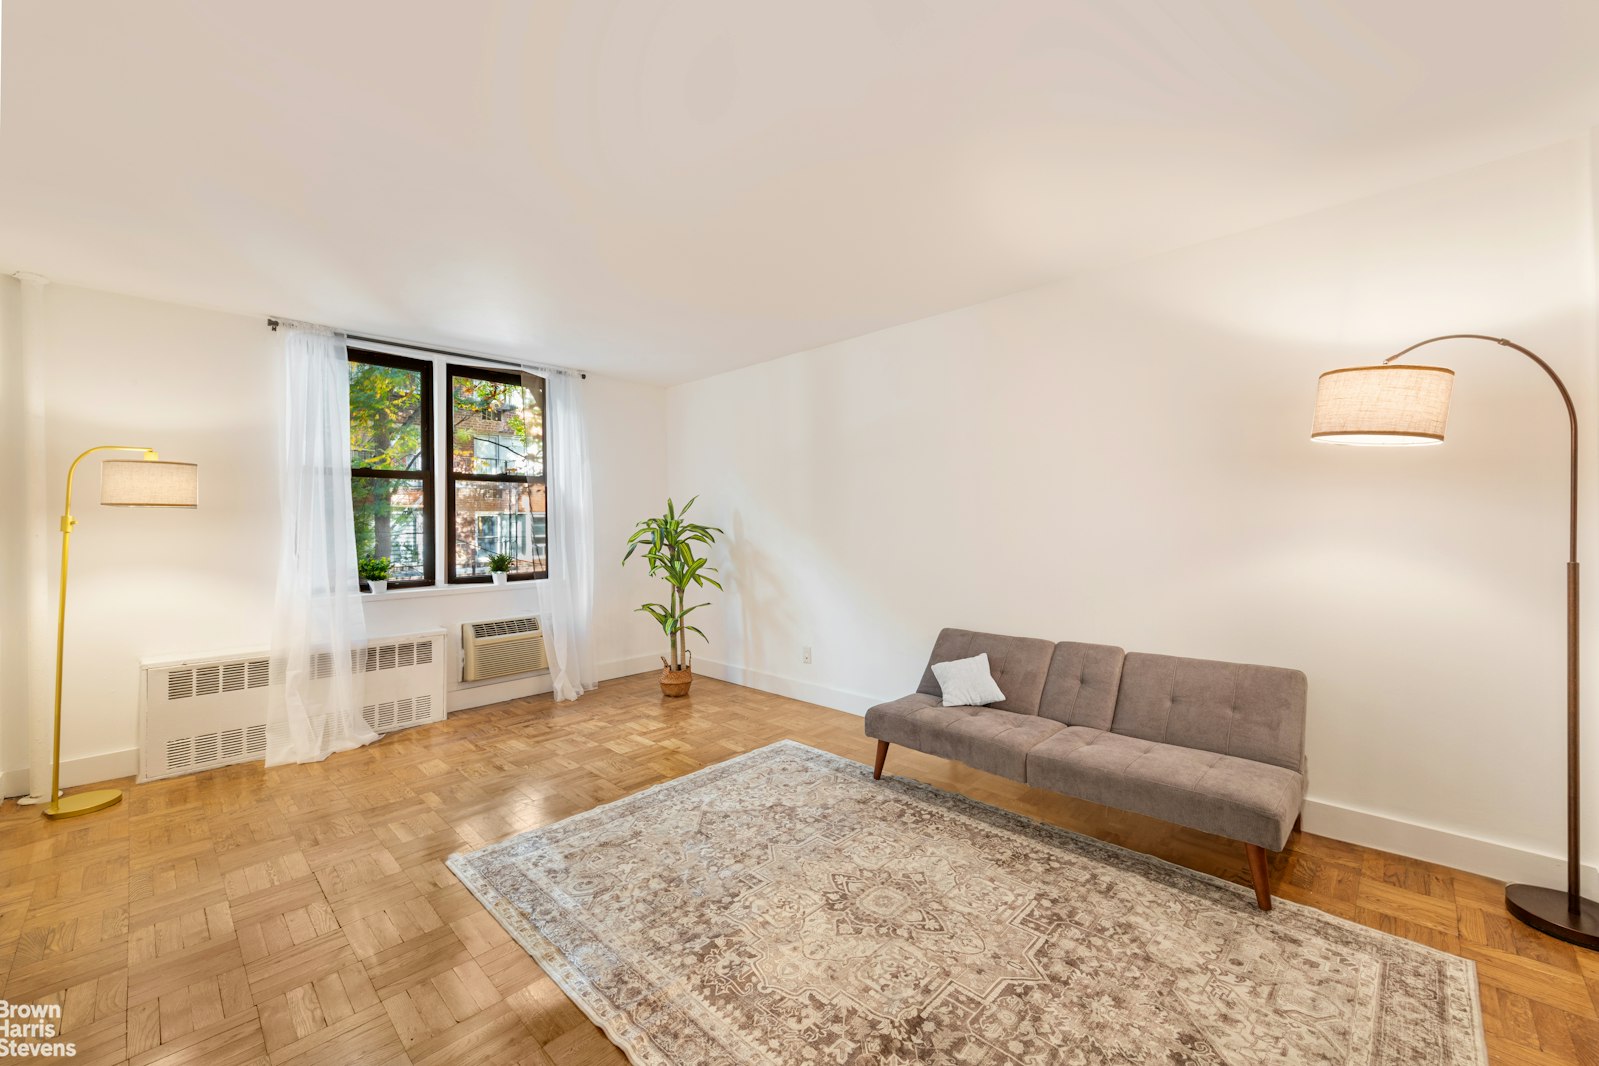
(1214, 746)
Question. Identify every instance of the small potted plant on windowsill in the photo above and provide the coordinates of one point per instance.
(375, 572)
(500, 568)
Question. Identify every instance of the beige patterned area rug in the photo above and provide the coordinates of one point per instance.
(783, 908)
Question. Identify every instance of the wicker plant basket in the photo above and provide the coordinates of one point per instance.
(676, 682)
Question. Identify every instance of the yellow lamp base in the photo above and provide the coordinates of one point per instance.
(83, 803)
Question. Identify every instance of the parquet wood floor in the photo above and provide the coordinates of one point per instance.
(304, 915)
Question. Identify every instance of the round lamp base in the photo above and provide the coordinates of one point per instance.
(83, 803)
(1547, 910)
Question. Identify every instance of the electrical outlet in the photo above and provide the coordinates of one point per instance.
(805, 655)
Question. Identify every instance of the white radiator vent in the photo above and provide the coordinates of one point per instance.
(199, 713)
(397, 714)
(187, 754)
(386, 656)
(501, 647)
(211, 678)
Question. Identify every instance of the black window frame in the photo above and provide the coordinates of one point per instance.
(426, 458)
(452, 477)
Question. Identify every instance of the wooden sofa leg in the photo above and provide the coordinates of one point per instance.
(1259, 874)
(882, 753)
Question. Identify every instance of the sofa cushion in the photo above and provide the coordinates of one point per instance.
(981, 737)
(1080, 688)
(900, 721)
(1018, 665)
(1222, 794)
(1253, 712)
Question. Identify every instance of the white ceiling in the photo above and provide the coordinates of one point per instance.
(664, 191)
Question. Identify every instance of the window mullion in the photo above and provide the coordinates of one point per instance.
(443, 485)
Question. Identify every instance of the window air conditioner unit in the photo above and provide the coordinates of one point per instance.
(501, 647)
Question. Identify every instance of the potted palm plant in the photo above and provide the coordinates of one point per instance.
(375, 572)
(500, 567)
(668, 543)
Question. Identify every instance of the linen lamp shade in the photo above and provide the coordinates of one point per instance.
(149, 483)
(1383, 405)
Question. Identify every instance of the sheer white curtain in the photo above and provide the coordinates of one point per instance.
(318, 628)
(569, 592)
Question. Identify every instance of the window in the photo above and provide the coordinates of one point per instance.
(391, 464)
(496, 488)
(489, 440)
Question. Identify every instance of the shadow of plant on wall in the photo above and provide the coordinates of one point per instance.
(758, 593)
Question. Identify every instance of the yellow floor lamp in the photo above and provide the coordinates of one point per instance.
(146, 482)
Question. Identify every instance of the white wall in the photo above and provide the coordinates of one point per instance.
(1125, 459)
(198, 386)
(13, 533)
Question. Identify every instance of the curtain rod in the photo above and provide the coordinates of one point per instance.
(273, 324)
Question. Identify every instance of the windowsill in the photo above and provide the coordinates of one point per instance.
(442, 590)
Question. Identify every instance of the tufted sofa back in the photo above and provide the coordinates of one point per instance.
(1253, 712)
(1081, 686)
(1018, 665)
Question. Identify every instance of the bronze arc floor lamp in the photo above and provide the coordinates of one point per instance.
(146, 482)
(1399, 405)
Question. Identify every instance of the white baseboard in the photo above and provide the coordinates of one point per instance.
(115, 764)
(1447, 847)
(1490, 858)
(90, 768)
(465, 697)
(636, 664)
(837, 698)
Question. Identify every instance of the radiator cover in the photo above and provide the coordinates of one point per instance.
(199, 713)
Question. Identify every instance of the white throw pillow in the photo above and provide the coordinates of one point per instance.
(967, 682)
